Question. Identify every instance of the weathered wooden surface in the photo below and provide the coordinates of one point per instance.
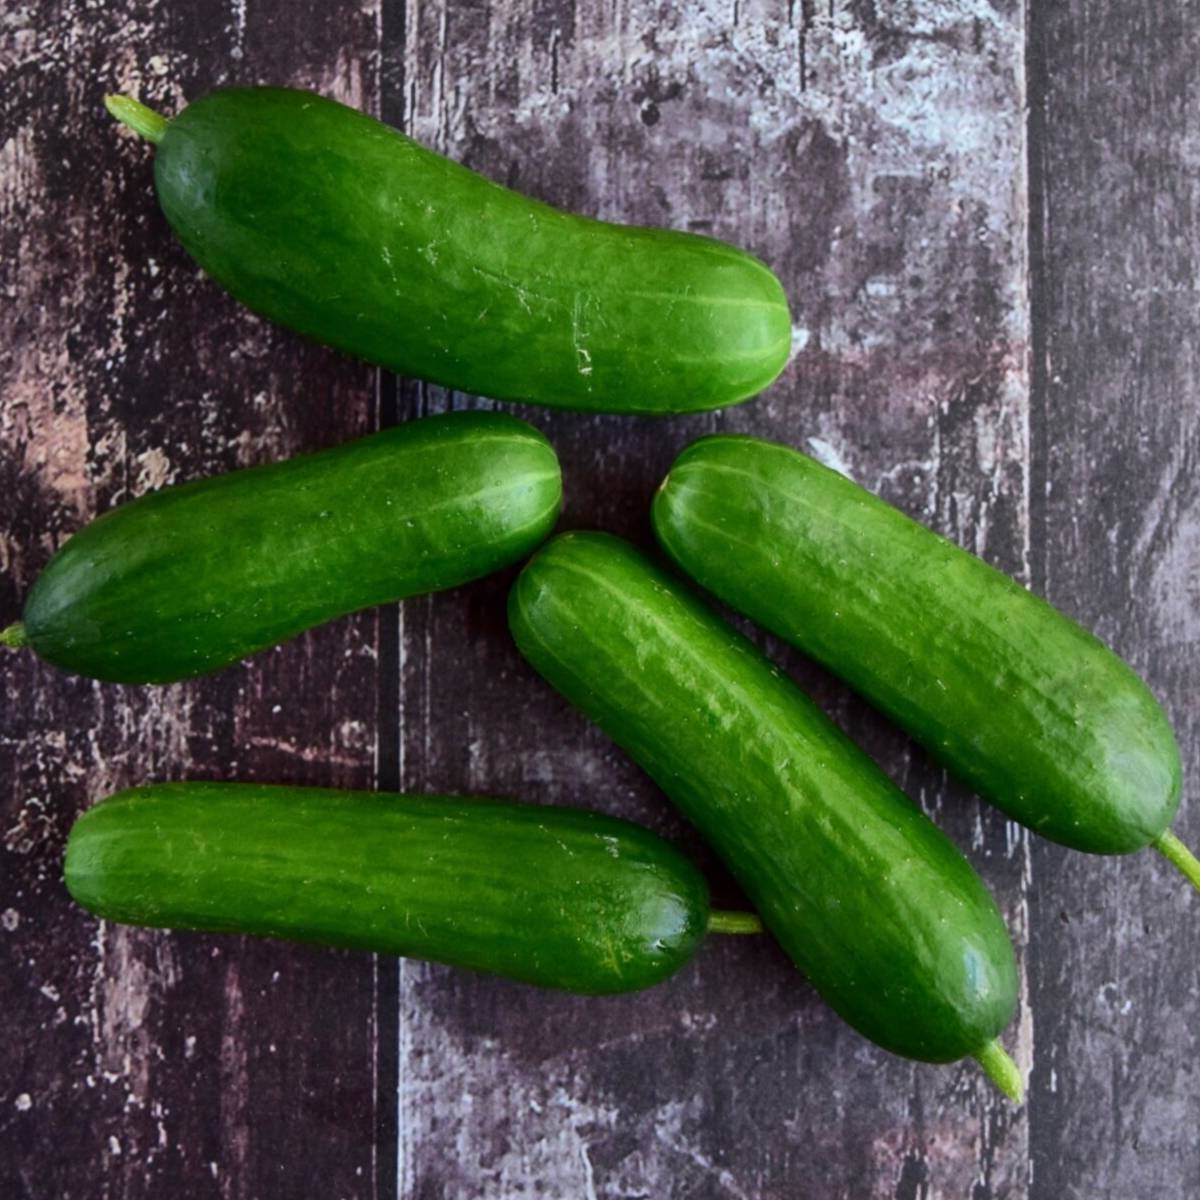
(1115, 972)
(874, 155)
(881, 187)
(140, 1064)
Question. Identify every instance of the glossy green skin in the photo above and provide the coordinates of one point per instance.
(1035, 713)
(870, 899)
(194, 577)
(338, 226)
(551, 896)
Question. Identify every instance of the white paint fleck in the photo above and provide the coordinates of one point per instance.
(154, 470)
(828, 455)
(238, 29)
(24, 1102)
(10, 919)
(589, 1178)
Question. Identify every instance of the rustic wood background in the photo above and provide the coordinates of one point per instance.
(986, 218)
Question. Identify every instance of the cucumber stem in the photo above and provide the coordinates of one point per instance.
(138, 117)
(723, 921)
(1001, 1070)
(1178, 855)
(14, 636)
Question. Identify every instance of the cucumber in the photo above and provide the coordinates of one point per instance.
(194, 577)
(870, 899)
(1037, 715)
(327, 221)
(550, 896)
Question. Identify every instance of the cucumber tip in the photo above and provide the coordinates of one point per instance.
(136, 116)
(14, 637)
(726, 921)
(1001, 1070)
(1179, 856)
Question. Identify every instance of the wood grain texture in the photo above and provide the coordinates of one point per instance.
(1116, 967)
(869, 158)
(142, 1064)
(874, 154)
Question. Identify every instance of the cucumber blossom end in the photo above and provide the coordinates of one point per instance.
(136, 116)
(14, 637)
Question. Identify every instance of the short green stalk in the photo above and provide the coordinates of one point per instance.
(1001, 1070)
(142, 120)
(1179, 856)
(14, 636)
(723, 921)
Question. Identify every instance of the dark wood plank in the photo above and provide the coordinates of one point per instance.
(135, 1063)
(874, 160)
(1117, 943)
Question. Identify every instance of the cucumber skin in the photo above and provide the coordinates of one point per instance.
(549, 896)
(338, 226)
(867, 896)
(194, 577)
(1040, 717)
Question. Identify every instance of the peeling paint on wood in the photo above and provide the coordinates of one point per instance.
(874, 155)
(884, 184)
(156, 1065)
(1115, 973)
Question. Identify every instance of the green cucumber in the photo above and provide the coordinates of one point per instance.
(1035, 713)
(550, 896)
(871, 901)
(327, 221)
(194, 577)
